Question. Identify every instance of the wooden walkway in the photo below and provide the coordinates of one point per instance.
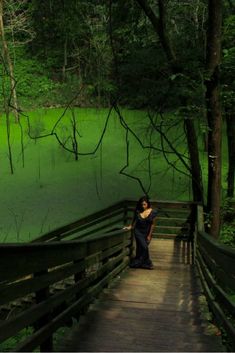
(147, 310)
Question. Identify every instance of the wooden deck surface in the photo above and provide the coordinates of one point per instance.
(147, 310)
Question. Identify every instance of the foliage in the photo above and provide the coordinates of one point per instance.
(10, 343)
(92, 53)
(228, 64)
(32, 81)
(227, 235)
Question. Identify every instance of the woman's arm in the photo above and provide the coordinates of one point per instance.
(150, 235)
(132, 225)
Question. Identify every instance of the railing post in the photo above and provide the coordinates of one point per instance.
(41, 295)
(125, 213)
(199, 227)
(125, 222)
(132, 243)
(77, 278)
(192, 231)
(194, 247)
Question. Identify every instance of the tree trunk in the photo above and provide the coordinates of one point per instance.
(7, 57)
(230, 120)
(214, 116)
(8, 125)
(65, 60)
(197, 186)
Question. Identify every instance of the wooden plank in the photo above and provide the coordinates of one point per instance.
(200, 219)
(225, 323)
(168, 204)
(138, 309)
(92, 224)
(223, 255)
(177, 228)
(122, 206)
(78, 223)
(171, 221)
(11, 291)
(42, 295)
(97, 230)
(220, 295)
(28, 317)
(34, 340)
(211, 243)
(164, 235)
(223, 277)
(216, 309)
(211, 264)
(18, 260)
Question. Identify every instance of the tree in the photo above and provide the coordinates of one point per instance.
(159, 24)
(74, 46)
(228, 94)
(8, 63)
(214, 116)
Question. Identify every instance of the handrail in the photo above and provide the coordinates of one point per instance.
(74, 226)
(94, 219)
(35, 268)
(216, 266)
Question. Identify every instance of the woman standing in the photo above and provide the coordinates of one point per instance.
(142, 224)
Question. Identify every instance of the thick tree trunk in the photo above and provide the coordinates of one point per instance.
(230, 120)
(7, 57)
(197, 186)
(214, 116)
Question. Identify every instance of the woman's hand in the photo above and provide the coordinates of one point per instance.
(127, 227)
(149, 238)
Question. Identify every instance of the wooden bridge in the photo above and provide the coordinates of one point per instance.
(78, 276)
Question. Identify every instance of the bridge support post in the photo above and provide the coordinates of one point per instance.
(41, 295)
(77, 278)
(125, 214)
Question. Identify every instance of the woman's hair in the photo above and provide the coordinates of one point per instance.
(141, 200)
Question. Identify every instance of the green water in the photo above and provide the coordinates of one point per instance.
(54, 189)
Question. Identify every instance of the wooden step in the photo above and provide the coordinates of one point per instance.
(173, 230)
(165, 235)
(162, 235)
(173, 221)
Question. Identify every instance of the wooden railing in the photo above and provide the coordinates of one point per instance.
(101, 221)
(216, 267)
(35, 268)
(174, 218)
(55, 277)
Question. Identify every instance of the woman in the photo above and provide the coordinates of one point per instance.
(142, 224)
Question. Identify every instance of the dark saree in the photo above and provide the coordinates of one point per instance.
(141, 231)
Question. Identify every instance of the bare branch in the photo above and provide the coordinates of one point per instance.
(159, 130)
(127, 165)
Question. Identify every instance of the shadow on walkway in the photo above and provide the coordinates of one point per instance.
(147, 310)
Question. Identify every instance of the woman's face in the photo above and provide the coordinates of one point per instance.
(144, 205)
